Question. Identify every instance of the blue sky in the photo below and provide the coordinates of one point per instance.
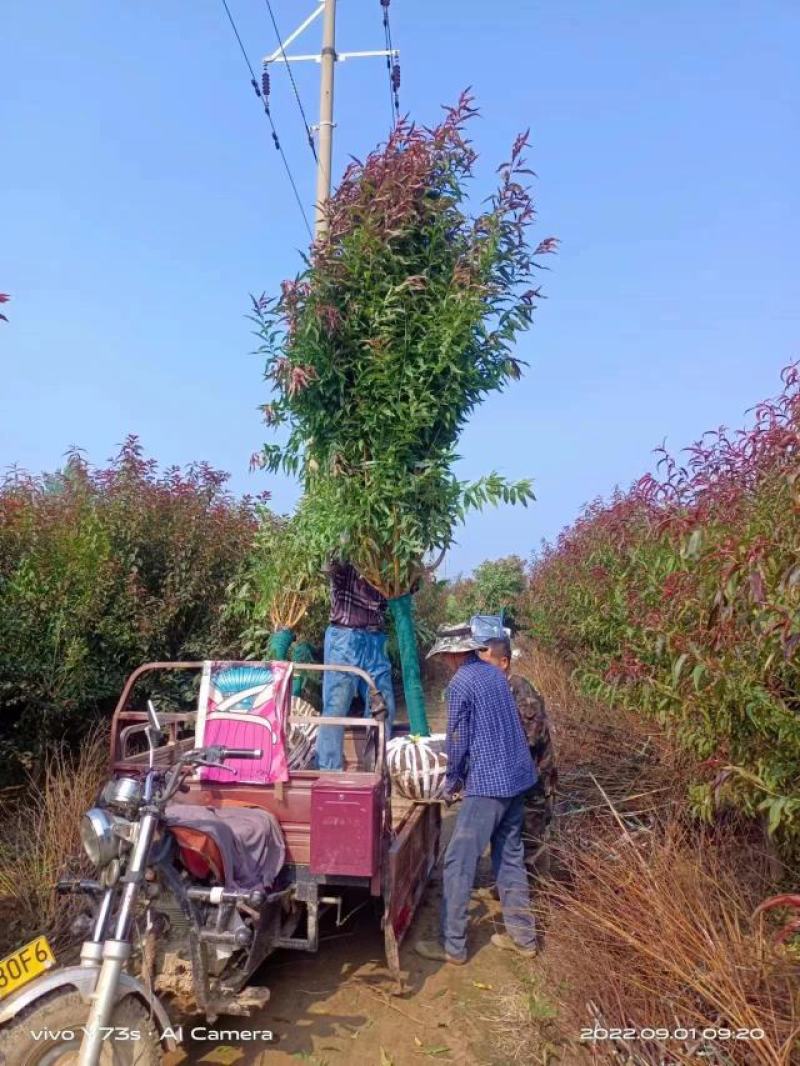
(142, 201)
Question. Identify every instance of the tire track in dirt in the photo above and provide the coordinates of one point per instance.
(336, 1008)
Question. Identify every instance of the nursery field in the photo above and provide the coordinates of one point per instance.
(395, 388)
(662, 629)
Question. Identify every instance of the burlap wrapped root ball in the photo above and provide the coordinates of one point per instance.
(301, 737)
(417, 766)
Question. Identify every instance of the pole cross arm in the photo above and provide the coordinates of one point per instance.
(327, 58)
(279, 55)
(339, 56)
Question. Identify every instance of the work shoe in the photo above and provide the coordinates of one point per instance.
(432, 949)
(504, 941)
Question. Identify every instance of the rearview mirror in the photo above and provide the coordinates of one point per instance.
(152, 717)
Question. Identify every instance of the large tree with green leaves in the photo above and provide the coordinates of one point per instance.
(401, 322)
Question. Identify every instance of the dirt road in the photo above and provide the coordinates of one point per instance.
(337, 1008)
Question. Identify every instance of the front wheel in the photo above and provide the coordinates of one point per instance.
(50, 1031)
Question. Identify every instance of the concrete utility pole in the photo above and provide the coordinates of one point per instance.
(327, 58)
(325, 141)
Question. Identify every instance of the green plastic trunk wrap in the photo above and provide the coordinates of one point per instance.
(279, 644)
(403, 618)
(302, 652)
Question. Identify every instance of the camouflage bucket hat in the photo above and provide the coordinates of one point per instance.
(455, 639)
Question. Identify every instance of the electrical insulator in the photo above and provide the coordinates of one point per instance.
(265, 84)
(396, 77)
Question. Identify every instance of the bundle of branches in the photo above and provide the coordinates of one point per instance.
(280, 592)
(660, 940)
(401, 323)
(606, 755)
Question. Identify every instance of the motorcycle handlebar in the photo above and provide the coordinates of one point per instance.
(242, 753)
(215, 755)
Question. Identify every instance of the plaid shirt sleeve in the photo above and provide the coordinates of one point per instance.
(459, 712)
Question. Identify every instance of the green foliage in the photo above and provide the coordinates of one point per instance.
(401, 323)
(100, 571)
(499, 584)
(386, 527)
(430, 610)
(280, 585)
(682, 596)
(496, 586)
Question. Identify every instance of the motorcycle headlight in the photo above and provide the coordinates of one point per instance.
(98, 837)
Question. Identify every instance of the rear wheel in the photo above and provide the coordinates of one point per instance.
(49, 1033)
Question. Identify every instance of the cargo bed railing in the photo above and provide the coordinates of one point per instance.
(121, 734)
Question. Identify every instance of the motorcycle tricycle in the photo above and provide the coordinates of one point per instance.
(203, 871)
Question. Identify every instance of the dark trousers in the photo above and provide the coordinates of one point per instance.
(535, 833)
(486, 820)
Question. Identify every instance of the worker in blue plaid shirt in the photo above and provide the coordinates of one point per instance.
(489, 763)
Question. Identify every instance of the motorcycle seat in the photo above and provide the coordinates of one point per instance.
(241, 847)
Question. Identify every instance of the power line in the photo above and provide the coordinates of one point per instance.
(291, 79)
(392, 66)
(386, 38)
(268, 113)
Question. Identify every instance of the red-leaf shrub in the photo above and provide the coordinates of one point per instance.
(101, 570)
(682, 597)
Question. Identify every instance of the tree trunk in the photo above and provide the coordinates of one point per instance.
(400, 607)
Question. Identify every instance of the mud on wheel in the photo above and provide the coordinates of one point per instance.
(49, 1033)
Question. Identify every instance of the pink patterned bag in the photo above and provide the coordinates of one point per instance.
(244, 705)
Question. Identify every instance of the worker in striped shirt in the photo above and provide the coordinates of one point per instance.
(488, 762)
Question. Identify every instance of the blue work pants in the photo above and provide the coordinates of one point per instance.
(351, 647)
(486, 820)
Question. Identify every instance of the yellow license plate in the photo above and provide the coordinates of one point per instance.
(24, 964)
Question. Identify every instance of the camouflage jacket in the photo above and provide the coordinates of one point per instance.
(530, 705)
